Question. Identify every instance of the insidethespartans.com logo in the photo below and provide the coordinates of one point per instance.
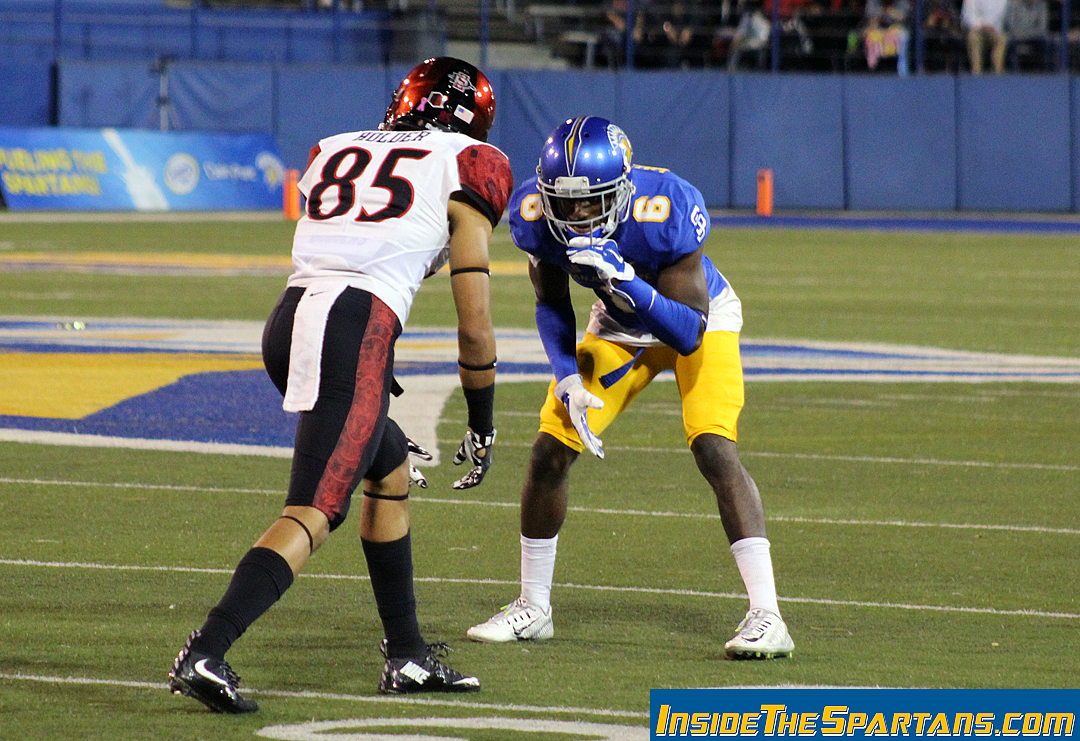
(860, 713)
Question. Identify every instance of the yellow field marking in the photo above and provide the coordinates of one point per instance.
(73, 385)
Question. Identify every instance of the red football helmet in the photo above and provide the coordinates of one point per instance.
(446, 94)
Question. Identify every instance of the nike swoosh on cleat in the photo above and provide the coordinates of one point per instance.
(200, 668)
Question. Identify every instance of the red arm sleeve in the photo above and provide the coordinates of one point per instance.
(486, 179)
(315, 152)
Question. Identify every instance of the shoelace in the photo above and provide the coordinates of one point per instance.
(758, 626)
(230, 676)
(514, 609)
(439, 650)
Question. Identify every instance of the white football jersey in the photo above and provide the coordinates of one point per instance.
(376, 214)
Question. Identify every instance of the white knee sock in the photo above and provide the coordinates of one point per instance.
(538, 570)
(755, 565)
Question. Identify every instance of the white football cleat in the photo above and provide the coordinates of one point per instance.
(518, 621)
(762, 634)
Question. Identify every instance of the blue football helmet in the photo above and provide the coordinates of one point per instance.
(586, 158)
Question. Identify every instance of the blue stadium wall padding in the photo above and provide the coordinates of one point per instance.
(792, 125)
(1013, 143)
(25, 93)
(99, 94)
(530, 104)
(222, 97)
(1075, 129)
(675, 120)
(900, 143)
(680, 120)
(988, 143)
(317, 101)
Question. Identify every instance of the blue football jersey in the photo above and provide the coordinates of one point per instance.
(668, 221)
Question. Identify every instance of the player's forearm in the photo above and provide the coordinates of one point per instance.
(673, 323)
(558, 332)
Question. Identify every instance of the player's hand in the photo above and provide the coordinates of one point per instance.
(601, 255)
(578, 402)
(476, 449)
(415, 477)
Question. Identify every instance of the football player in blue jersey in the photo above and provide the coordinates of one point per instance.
(634, 235)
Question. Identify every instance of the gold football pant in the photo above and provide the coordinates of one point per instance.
(710, 382)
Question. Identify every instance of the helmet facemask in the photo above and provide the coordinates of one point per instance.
(560, 198)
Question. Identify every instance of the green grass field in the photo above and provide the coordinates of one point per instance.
(924, 534)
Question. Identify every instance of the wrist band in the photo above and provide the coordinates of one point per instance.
(481, 407)
(458, 271)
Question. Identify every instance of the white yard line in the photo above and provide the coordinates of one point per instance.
(565, 585)
(374, 699)
(585, 510)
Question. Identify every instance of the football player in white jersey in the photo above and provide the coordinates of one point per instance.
(634, 235)
(385, 209)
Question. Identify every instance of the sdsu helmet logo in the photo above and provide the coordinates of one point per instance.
(619, 140)
(460, 81)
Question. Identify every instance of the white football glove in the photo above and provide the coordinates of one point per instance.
(578, 402)
(476, 449)
(601, 255)
(415, 477)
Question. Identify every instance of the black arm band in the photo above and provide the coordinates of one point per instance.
(459, 271)
(481, 403)
(484, 367)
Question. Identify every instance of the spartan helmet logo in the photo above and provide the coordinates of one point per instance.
(620, 141)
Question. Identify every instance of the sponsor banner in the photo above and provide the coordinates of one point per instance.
(133, 169)
(863, 713)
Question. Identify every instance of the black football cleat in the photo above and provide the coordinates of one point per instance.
(210, 681)
(409, 676)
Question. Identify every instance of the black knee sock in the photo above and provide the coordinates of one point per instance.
(391, 570)
(260, 579)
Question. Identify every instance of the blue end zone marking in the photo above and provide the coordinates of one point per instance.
(234, 407)
(755, 350)
(944, 224)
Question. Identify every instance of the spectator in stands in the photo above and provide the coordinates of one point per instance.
(985, 20)
(885, 33)
(792, 26)
(678, 30)
(1027, 26)
(613, 38)
(751, 36)
(943, 39)
(790, 9)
